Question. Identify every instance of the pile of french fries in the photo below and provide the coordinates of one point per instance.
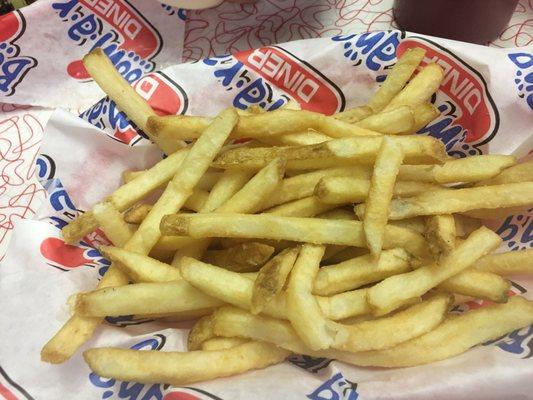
(345, 236)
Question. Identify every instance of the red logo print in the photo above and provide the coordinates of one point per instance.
(65, 256)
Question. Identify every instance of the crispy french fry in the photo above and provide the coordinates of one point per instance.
(420, 89)
(243, 257)
(416, 149)
(478, 284)
(386, 168)
(397, 78)
(360, 271)
(112, 223)
(222, 343)
(267, 226)
(454, 336)
(353, 115)
(306, 207)
(460, 200)
(347, 189)
(518, 262)
(271, 279)
(469, 169)
(181, 368)
(229, 183)
(517, 173)
(440, 234)
(394, 122)
(389, 293)
(126, 98)
(423, 114)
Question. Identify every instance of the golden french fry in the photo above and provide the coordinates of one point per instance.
(468, 169)
(419, 89)
(353, 115)
(222, 343)
(306, 207)
(423, 114)
(517, 173)
(169, 244)
(518, 262)
(478, 284)
(271, 279)
(360, 271)
(388, 161)
(397, 78)
(229, 183)
(391, 292)
(333, 153)
(454, 336)
(268, 226)
(393, 122)
(243, 257)
(417, 224)
(460, 200)
(181, 368)
(137, 213)
(126, 98)
(140, 268)
(440, 234)
(112, 223)
(206, 183)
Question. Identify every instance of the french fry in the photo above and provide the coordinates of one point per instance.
(222, 343)
(229, 183)
(206, 183)
(396, 79)
(306, 207)
(419, 89)
(112, 223)
(360, 271)
(297, 139)
(267, 226)
(464, 225)
(126, 98)
(333, 153)
(201, 331)
(338, 213)
(417, 224)
(469, 169)
(511, 263)
(144, 298)
(140, 268)
(303, 310)
(517, 173)
(346, 254)
(243, 257)
(345, 305)
(394, 122)
(181, 368)
(454, 336)
(423, 114)
(386, 168)
(194, 249)
(353, 115)
(460, 200)
(391, 292)
(440, 234)
(347, 189)
(169, 244)
(478, 284)
(129, 175)
(271, 279)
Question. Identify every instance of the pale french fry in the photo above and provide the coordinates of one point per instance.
(345, 305)
(419, 89)
(268, 226)
(222, 343)
(126, 98)
(391, 292)
(388, 161)
(250, 197)
(140, 268)
(338, 213)
(127, 195)
(181, 368)
(137, 213)
(353, 115)
(194, 249)
(296, 139)
(303, 185)
(417, 224)
(424, 114)
(243, 257)
(129, 175)
(201, 331)
(360, 271)
(394, 122)
(478, 284)
(182, 184)
(390, 331)
(206, 183)
(440, 234)
(229, 183)
(144, 298)
(397, 78)
(347, 189)
(333, 153)
(454, 336)
(517, 173)
(112, 223)
(518, 262)
(271, 279)
(306, 207)
(460, 200)
(303, 310)
(336, 128)
(169, 244)
(468, 169)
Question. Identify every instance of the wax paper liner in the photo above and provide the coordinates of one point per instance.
(486, 105)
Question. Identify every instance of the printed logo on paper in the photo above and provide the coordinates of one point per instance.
(164, 95)
(523, 78)
(335, 388)
(271, 76)
(11, 390)
(469, 118)
(310, 364)
(129, 40)
(516, 231)
(13, 65)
